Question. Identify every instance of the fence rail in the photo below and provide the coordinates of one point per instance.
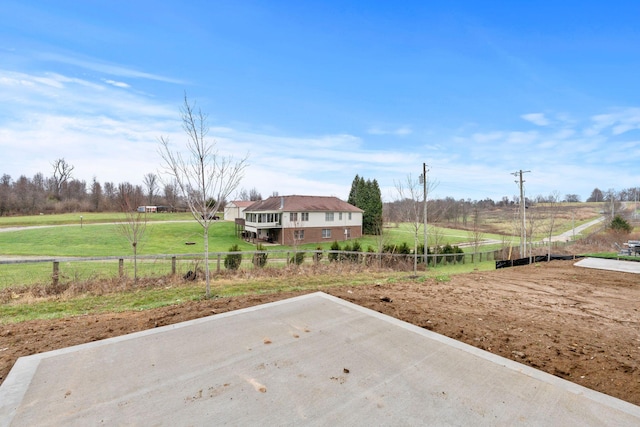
(79, 268)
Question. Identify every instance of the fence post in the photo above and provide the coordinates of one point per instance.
(218, 267)
(56, 268)
(121, 267)
(173, 266)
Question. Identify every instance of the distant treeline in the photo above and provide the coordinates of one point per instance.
(61, 193)
(29, 196)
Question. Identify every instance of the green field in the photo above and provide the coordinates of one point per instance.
(105, 239)
(64, 236)
(95, 286)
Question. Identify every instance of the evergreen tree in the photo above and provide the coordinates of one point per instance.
(366, 196)
(353, 194)
(621, 225)
(376, 208)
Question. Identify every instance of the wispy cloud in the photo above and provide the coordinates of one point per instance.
(104, 67)
(117, 84)
(400, 131)
(617, 122)
(536, 118)
(111, 133)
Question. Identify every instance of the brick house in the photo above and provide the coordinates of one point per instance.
(290, 220)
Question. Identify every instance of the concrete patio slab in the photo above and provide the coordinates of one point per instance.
(610, 264)
(313, 360)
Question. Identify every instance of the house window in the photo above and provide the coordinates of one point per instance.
(293, 216)
(349, 216)
(298, 234)
(304, 216)
(347, 233)
(326, 233)
(340, 216)
(328, 216)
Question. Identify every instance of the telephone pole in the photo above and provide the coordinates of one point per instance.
(523, 208)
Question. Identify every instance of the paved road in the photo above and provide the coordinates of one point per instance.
(568, 235)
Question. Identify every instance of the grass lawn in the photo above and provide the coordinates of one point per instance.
(105, 239)
(99, 235)
(62, 236)
(82, 217)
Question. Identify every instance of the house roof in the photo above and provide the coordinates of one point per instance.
(241, 203)
(302, 204)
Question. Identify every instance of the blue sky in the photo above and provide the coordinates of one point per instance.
(318, 92)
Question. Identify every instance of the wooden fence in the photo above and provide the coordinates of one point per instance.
(182, 263)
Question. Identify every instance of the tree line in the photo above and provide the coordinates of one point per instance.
(62, 193)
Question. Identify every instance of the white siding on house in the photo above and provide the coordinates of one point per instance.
(318, 219)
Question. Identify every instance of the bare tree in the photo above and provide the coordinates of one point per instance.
(151, 183)
(204, 178)
(170, 192)
(6, 195)
(252, 195)
(129, 194)
(61, 174)
(243, 195)
(410, 194)
(476, 233)
(96, 195)
(532, 227)
(133, 228)
(381, 239)
(553, 206)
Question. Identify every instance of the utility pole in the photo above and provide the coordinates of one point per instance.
(523, 208)
(423, 178)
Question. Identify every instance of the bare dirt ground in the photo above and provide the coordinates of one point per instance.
(576, 323)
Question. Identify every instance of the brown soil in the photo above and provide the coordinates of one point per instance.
(576, 323)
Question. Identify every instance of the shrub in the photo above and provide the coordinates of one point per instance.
(346, 257)
(335, 246)
(232, 261)
(460, 253)
(260, 258)
(437, 258)
(357, 247)
(620, 225)
(404, 249)
(297, 258)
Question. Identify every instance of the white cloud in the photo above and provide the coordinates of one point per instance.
(106, 68)
(112, 134)
(487, 137)
(117, 84)
(618, 122)
(522, 137)
(538, 119)
(401, 131)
